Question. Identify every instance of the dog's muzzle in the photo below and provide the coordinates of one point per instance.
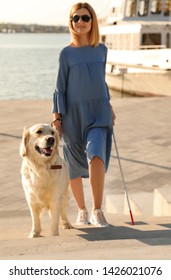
(46, 151)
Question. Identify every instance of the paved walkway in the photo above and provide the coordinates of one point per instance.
(143, 134)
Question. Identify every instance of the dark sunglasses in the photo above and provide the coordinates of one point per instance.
(84, 18)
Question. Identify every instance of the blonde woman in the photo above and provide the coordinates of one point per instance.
(81, 106)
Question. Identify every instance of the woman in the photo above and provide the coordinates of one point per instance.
(81, 105)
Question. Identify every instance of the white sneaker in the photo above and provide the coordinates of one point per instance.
(82, 218)
(98, 219)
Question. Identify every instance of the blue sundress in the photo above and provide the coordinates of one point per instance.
(82, 97)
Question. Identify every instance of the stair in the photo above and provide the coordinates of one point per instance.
(162, 201)
(157, 203)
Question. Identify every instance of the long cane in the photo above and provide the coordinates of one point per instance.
(126, 191)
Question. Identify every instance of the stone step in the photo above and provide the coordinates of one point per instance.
(148, 239)
(157, 203)
(141, 203)
(115, 204)
(162, 201)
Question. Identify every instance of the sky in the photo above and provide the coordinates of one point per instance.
(46, 12)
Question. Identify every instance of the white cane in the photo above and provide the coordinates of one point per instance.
(126, 191)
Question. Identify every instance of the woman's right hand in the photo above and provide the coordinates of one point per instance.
(57, 124)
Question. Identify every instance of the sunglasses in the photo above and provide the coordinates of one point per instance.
(84, 18)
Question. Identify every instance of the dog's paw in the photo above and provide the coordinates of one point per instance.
(34, 234)
(67, 226)
(55, 233)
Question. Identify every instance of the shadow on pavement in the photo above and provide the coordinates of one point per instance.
(150, 237)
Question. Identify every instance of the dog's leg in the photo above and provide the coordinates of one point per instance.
(36, 226)
(66, 224)
(55, 209)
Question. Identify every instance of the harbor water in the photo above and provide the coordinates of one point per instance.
(28, 64)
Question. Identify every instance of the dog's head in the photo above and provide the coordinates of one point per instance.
(41, 139)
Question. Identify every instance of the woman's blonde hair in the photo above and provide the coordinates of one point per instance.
(94, 32)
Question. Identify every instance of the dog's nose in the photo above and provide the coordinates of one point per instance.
(50, 141)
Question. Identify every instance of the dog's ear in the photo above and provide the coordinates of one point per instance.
(24, 142)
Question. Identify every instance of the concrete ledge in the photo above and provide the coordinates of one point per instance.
(115, 204)
(141, 203)
(162, 201)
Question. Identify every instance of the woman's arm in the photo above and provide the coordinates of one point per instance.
(59, 94)
(61, 85)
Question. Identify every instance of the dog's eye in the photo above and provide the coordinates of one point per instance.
(39, 132)
(52, 132)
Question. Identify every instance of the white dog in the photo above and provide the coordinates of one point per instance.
(45, 177)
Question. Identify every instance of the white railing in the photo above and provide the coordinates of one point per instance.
(149, 47)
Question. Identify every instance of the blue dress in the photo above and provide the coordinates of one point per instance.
(82, 97)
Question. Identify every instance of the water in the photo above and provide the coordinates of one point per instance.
(28, 64)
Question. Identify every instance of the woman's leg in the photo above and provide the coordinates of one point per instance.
(97, 176)
(76, 186)
(96, 153)
(78, 194)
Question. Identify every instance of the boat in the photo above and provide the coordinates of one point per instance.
(137, 34)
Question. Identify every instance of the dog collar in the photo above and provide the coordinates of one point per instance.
(56, 166)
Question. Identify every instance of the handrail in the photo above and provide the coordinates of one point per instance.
(152, 47)
(127, 65)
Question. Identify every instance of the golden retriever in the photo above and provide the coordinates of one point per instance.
(45, 177)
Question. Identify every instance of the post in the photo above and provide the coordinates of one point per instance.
(122, 72)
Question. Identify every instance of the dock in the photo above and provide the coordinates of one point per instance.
(143, 135)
